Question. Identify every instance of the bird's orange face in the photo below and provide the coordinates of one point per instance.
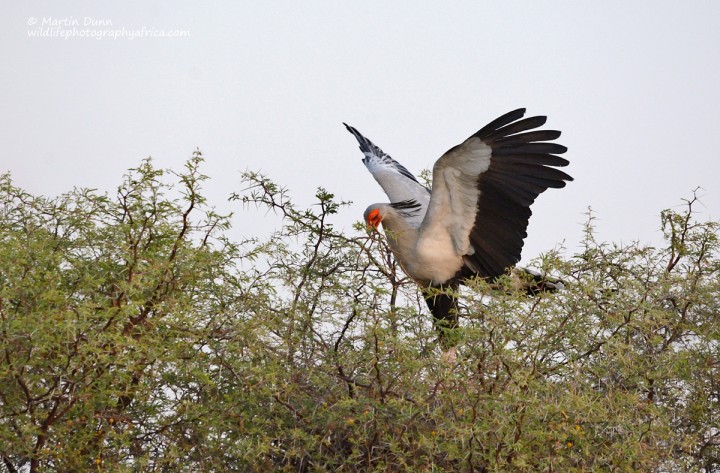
(373, 218)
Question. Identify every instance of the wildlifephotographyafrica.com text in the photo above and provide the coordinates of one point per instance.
(96, 28)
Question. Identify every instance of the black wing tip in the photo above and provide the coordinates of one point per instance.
(500, 122)
(550, 135)
(513, 115)
(366, 146)
(557, 161)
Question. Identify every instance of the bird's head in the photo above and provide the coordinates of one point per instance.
(373, 216)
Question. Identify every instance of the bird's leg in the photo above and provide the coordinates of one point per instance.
(443, 306)
(450, 356)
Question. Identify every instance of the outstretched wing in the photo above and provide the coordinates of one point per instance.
(399, 184)
(483, 189)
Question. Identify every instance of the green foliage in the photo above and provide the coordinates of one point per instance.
(135, 336)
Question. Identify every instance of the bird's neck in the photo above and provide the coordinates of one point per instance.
(402, 239)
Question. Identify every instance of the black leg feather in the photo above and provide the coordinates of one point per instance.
(444, 309)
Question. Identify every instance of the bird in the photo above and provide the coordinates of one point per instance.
(473, 221)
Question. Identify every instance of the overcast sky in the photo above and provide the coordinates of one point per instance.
(633, 85)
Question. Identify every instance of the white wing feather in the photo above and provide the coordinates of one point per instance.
(398, 183)
(453, 205)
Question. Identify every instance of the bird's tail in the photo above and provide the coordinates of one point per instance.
(534, 282)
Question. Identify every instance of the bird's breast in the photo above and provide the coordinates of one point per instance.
(435, 259)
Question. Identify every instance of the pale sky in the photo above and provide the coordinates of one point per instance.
(633, 85)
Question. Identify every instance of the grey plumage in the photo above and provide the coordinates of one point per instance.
(474, 222)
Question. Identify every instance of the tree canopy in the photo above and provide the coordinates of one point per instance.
(135, 335)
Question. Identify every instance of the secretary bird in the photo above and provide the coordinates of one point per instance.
(473, 223)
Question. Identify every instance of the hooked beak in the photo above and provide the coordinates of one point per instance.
(370, 228)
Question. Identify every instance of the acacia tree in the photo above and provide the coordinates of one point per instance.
(135, 336)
